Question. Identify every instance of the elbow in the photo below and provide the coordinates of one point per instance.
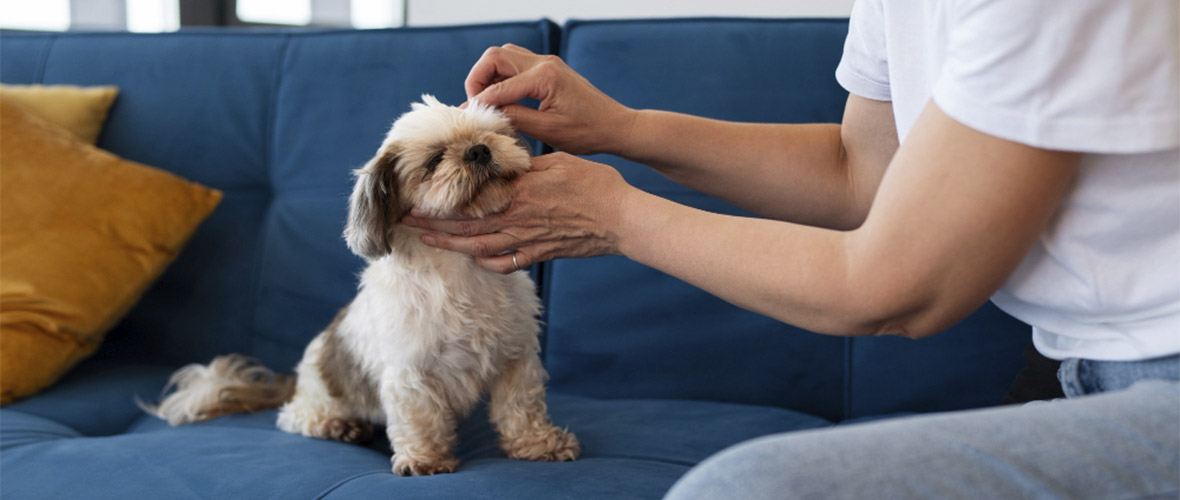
(887, 295)
(896, 314)
(898, 327)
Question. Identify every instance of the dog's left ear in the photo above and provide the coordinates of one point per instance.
(374, 209)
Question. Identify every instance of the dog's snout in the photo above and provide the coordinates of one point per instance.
(478, 154)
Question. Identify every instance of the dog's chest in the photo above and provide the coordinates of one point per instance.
(448, 315)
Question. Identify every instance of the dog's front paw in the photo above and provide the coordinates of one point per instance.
(347, 430)
(551, 445)
(404, 465)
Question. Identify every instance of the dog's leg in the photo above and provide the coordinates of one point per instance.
(314, 416)
(517, 409)
(315, 411)
(421, 424)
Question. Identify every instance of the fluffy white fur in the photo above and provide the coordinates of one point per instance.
(429, 331)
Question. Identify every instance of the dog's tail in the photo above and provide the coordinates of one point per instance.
(229, 384)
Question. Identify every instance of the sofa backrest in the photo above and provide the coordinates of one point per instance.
(278, 119)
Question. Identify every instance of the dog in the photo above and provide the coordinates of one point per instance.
(429, 331)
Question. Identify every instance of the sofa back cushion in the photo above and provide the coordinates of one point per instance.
(277, 120)
(619, 329)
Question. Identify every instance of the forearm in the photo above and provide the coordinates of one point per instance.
(795, 273)
(792, 172)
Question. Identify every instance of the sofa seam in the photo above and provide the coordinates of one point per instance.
(848, 360)
(275, 87)
(43, 61)
(342, 482)
(52, 438)
(268, 158)
(57, 436)
(551, 34)
(687, 464)
(666, 461)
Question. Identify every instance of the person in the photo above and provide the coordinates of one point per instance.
(1022, 151)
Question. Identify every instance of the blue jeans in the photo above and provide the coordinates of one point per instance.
(1080, 377)
(1117, 437)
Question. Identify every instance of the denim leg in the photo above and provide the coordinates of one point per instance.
(1121, 445)
(1086, 376)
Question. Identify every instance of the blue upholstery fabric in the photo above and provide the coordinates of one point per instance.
(618, 329)
(652, 374)
(23, 58)
(633, 449)
(96, 398)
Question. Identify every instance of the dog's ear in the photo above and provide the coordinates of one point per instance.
(374, 209)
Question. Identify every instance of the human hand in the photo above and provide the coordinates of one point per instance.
(565, 207)
(574, 115)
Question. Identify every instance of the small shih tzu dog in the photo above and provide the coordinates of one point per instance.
(428, 333)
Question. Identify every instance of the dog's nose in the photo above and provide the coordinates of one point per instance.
(478, 154)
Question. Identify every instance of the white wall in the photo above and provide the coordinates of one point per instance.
(436, 12)
(162, 15)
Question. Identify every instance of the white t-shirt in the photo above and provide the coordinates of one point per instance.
(1093, 76)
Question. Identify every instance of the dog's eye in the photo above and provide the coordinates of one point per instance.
(433, 163)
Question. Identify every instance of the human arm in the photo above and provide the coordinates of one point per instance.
(954, 215)
(816, 174)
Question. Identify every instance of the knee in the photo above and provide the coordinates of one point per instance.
(778, 466)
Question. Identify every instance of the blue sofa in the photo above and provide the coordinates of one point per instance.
(653, 375)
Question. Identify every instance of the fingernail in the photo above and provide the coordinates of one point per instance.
(429, 239)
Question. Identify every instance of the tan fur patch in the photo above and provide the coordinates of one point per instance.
(341, 372)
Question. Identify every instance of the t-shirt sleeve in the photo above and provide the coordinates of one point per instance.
(864, 68)
(1095, 76)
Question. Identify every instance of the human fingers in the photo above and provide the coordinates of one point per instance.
(524, 257)
(528, 84)
(484, 245)
(459, 227)
(517, 48)
(548, 161)
(495, 65)
(528, 120)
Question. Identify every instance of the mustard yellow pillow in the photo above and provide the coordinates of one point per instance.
(83, 233)
(81, 110)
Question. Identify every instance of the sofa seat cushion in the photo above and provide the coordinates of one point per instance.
(97, 398)
(92, 433)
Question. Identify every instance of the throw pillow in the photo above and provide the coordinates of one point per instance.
(83, 233)
(81, 110)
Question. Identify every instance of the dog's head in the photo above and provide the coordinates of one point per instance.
(442, 159)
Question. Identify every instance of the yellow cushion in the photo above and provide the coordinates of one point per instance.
(81, 110)
(83, 233)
